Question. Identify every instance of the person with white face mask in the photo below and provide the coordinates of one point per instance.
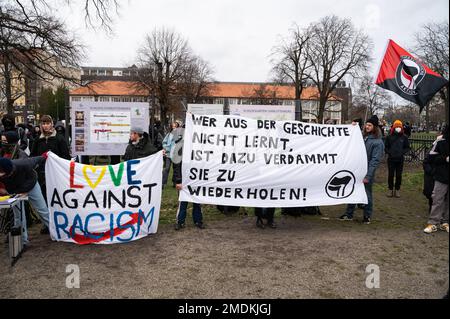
(396, 146)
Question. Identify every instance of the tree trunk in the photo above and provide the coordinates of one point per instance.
(8, 90)
(427, 117)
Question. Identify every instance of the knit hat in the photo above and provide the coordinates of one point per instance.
(373, 120)
(137, 129)
(397, 123)
(11, 137)
(6, 165)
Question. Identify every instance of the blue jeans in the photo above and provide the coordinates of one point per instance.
(196, 213)
(38, 202)
(368, 209)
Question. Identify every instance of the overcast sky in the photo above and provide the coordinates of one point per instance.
(236, 36)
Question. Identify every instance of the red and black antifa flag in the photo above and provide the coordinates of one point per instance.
(405, 75)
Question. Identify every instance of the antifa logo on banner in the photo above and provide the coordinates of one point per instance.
(409, 75)
(341, 185)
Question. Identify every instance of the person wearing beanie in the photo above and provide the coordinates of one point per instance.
(139, 146)
(9, 125)
(10, 146)
(397, 146)
(19, 177)
(48, 140)
(439, 158)
(375, 150)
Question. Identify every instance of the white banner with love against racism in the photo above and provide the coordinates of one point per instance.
(103, 204)
(236, 161)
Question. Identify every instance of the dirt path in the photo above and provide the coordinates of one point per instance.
(305, 257)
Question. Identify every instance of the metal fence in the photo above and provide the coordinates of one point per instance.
(420, 147)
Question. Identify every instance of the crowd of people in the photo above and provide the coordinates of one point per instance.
(24, 150)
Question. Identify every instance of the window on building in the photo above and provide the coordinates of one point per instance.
(76, 98)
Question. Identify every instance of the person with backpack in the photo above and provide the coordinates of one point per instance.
(168, 143)
(375, 150)
(396, 146)
(177, 156)
(439, 157)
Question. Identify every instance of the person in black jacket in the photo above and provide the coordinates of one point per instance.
(19, 177)
(396, 146)
(139, 146)
(49, 140)
(439, 157)
(9, 125)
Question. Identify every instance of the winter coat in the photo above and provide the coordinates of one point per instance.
(375, 150)
(23, 177)
(54, 143)
(397, 145)
(438, 157)
(142, 149)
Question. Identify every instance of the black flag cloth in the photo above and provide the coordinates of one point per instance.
(405, 75)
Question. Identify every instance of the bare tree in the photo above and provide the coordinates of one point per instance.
(169, 69)
(336, 50)
(196, 79)
(291, 62)
(370, 97)
(36, 45)
(432, 46)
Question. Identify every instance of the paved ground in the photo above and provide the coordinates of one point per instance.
(306, 257)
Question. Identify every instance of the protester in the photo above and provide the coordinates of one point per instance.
(407, 129)
(197, 215)
(428, 180)
(158, 135)
(10, 146)
(396, 146)
(49, 140)
(375, 150)
(359, 122)
(168, 143)
(265, 213)
(139, 146)
(19, 177)
(439, 157)
(9, 125)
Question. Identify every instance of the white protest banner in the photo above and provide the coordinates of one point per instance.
(236, 161)
(103, 204)
(263, 112)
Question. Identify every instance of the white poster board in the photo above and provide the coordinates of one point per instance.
(103, 128)
(264, 112)
(205, 109)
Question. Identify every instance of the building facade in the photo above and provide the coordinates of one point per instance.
(218, 93)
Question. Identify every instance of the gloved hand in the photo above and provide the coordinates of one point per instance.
(45, 155)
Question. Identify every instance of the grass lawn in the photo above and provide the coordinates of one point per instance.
(412, 200)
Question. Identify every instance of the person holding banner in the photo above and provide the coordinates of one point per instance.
(19, 177)
(49, 140)
(139, 146)
(375, 150)
(197, 215)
